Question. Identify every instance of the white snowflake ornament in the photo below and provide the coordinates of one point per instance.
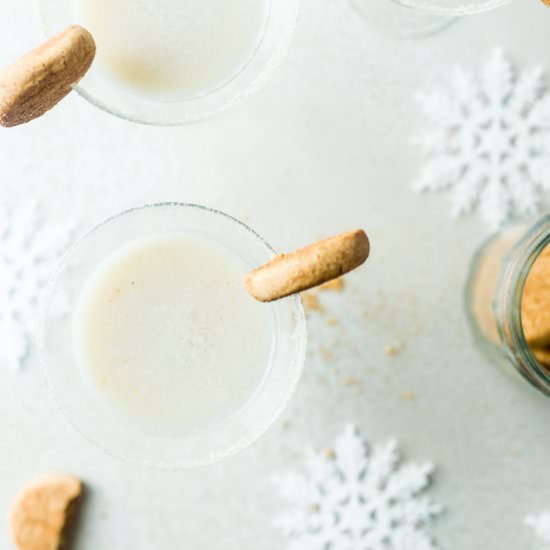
(540, 524)
(357, 498)
(29, 245)
(489, 140)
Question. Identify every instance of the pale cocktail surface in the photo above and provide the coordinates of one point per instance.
(167, 336)
(174, 48)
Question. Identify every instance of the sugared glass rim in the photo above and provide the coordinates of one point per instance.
(291, 307)
(268, 54)
(453, 11)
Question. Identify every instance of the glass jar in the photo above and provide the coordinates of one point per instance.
(493, 297)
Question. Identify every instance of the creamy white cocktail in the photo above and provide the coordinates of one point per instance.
(167, 335)
(174, 48)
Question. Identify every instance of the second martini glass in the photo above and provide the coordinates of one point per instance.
(175, 62)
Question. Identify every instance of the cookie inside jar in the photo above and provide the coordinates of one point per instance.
(535, 309)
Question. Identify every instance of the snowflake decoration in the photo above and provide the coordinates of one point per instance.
(357, 498)
(489, 139)
(541, 526)
(28, 247)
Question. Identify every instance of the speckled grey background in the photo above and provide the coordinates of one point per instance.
(324, 148)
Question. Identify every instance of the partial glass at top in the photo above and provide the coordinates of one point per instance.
(453, 7)
(175, 62)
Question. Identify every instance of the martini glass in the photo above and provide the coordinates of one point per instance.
(134, 441)
(419, 18)
(102, 87)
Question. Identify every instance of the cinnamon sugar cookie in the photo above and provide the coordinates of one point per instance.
(308, 267)
(535, 304)
(40, 79)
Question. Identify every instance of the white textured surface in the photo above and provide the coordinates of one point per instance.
(324, 148)
(30, 245)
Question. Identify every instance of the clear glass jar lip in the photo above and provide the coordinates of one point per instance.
(213, 457)
(520, 259)
(196, 113)
(456, 11)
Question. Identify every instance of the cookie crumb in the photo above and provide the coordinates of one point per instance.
(336, 285)
(329, 453)
(325, 353)
(394, 349)
(311, 302)
(352, 381)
